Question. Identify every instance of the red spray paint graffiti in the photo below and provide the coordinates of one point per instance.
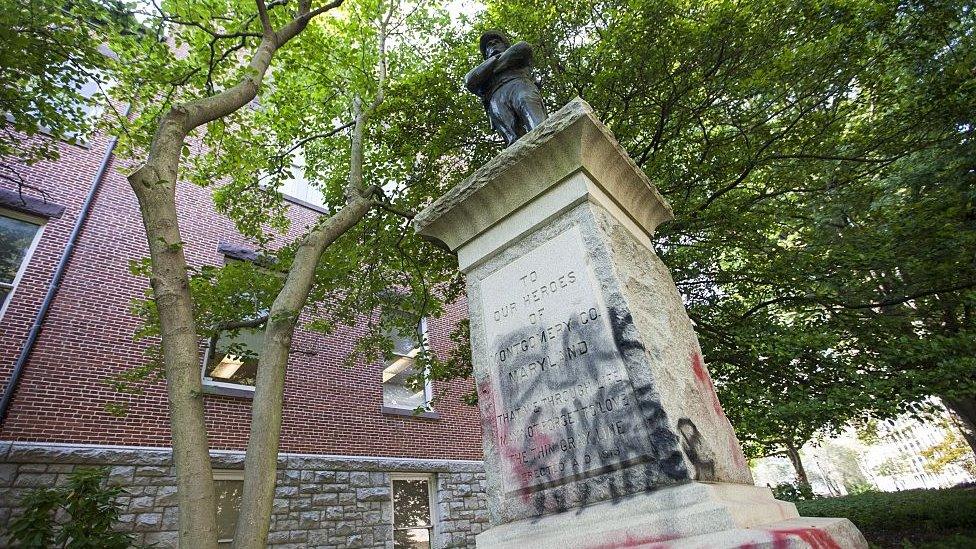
(706, 386)
(500, 432)
(737, 456)
(814, 537)
(705, 382)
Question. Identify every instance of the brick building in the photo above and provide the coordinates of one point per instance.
(349, 447)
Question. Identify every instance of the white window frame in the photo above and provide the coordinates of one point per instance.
(41, 223)
(431, 479)
(428, 386)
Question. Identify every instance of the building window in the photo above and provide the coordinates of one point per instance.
(398, 391)
(230, 364)
(412, 522)
(84, 109)
(19, 235)
(228, 488)
(92, 107)
(232, 358)
(298, 186)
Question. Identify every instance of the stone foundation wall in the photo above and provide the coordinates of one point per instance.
(321, 501)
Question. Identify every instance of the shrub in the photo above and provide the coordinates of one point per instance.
(88, 502)
(793, 492)
(933, 519)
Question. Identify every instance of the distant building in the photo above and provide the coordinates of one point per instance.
(892, 462)
(897, 462)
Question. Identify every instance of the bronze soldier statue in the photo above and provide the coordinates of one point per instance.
(505, 84)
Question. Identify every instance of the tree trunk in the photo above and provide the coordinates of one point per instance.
(154, 188)
(794, 454)
(965, 411)
(262, 446)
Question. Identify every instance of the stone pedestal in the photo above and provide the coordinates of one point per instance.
(601, 425)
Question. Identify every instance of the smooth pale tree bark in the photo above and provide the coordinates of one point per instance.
(260, 462)
(154, 184)
(191, 456)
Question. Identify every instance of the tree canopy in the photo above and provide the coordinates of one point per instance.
(818, 156)
(51, 60)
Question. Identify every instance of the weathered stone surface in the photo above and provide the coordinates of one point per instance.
(565, 407)
(570, 403)
(35, 480)
(286, 491)
(300, 504)
(86, 455)
(162, 539)
(8, 471)
(299, 519)
(152, 471)
(309, 519)
(322, 500)
(60, 468)
(279, 505)
(359, 478)
(691, 515)
(373, 494)
(171, 517)
(121, 474)
(148, 521)
(276, 538)
(142, 503)
(166, 495)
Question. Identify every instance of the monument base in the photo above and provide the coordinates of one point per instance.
(693, 515)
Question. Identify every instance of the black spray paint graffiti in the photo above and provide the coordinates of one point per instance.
(696, 450)
(570, 423)
(661, 437)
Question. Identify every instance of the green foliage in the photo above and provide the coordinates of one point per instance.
(298, 126)
(887, 518)
(818, 157)
(35, 528)
(894, 466)
(867, 432)
(90, 506)
(49, 52)
(953, 450)
(793, 492)
(859, 488)
(956, 541)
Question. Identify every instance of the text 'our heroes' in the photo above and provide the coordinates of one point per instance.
(533, 293)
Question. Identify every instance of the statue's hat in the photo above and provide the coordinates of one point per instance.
(488, 35)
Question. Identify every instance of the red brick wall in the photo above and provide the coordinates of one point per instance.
(87, 337)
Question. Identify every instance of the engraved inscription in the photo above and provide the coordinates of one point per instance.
(563, 405)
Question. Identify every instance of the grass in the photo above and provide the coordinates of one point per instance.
(930, 519)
